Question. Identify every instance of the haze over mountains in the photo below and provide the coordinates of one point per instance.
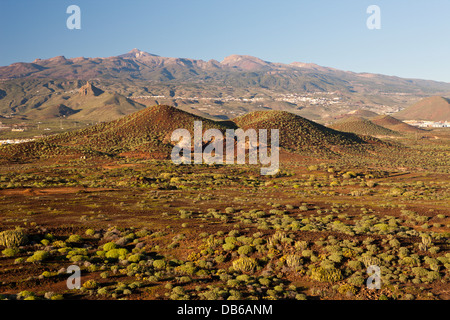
(234, 86)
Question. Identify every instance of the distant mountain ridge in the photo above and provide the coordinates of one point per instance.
(236, 85)
(141, 65)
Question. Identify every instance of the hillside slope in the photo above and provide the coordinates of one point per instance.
(394, 124)
(39, 100)
(432, 109)
(362, 126)
(147, 134)
(301, 135)
(147, 131)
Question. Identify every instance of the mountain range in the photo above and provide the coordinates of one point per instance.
(217, 89)
(140, 65)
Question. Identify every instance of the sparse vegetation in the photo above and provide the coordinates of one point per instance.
(146, 228)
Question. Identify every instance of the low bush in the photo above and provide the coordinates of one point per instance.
(244, 264)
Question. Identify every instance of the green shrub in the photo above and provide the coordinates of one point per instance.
(433, 275)
(327, 264)
(19, 260)
(243, 278)
(102, 291)
(26, 294)
(245, 250)
(178, 290)
(101, 253)
(355, 265)
(10, 252)
(188, 268)
(371, 261)
(74, 238)
(159, 264)
(135, 257)
(235, 295)
(419, 271)
(13, 238)
(264, 281)
(336, 257)
(230, 210)
(326, 274)
(434, 250)
(38, 256)
(245, 240)
(233, 283)
(142, 233)
(59, 244)
(394, 243)
(293, 261)
(307, 253)
(109, 246)
(230, 240)
(90, 232)
(228, 247)
(78, 257)
(120, 253)
(184, 279)
(356, 280)
(244, 264)
(90, 284)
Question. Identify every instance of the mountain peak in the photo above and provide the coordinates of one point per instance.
(136, 53)
(89, 89)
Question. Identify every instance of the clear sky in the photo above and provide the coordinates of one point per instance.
(413, 40)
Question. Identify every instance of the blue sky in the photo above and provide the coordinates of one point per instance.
(412, 42)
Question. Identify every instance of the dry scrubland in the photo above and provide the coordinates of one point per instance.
(147, 229)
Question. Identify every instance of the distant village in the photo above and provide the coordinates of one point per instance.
(428, 124)
(15, 128)
(15, 141)
(292, 98)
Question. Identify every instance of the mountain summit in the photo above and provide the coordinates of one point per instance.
(137, 54)
(89, 89)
